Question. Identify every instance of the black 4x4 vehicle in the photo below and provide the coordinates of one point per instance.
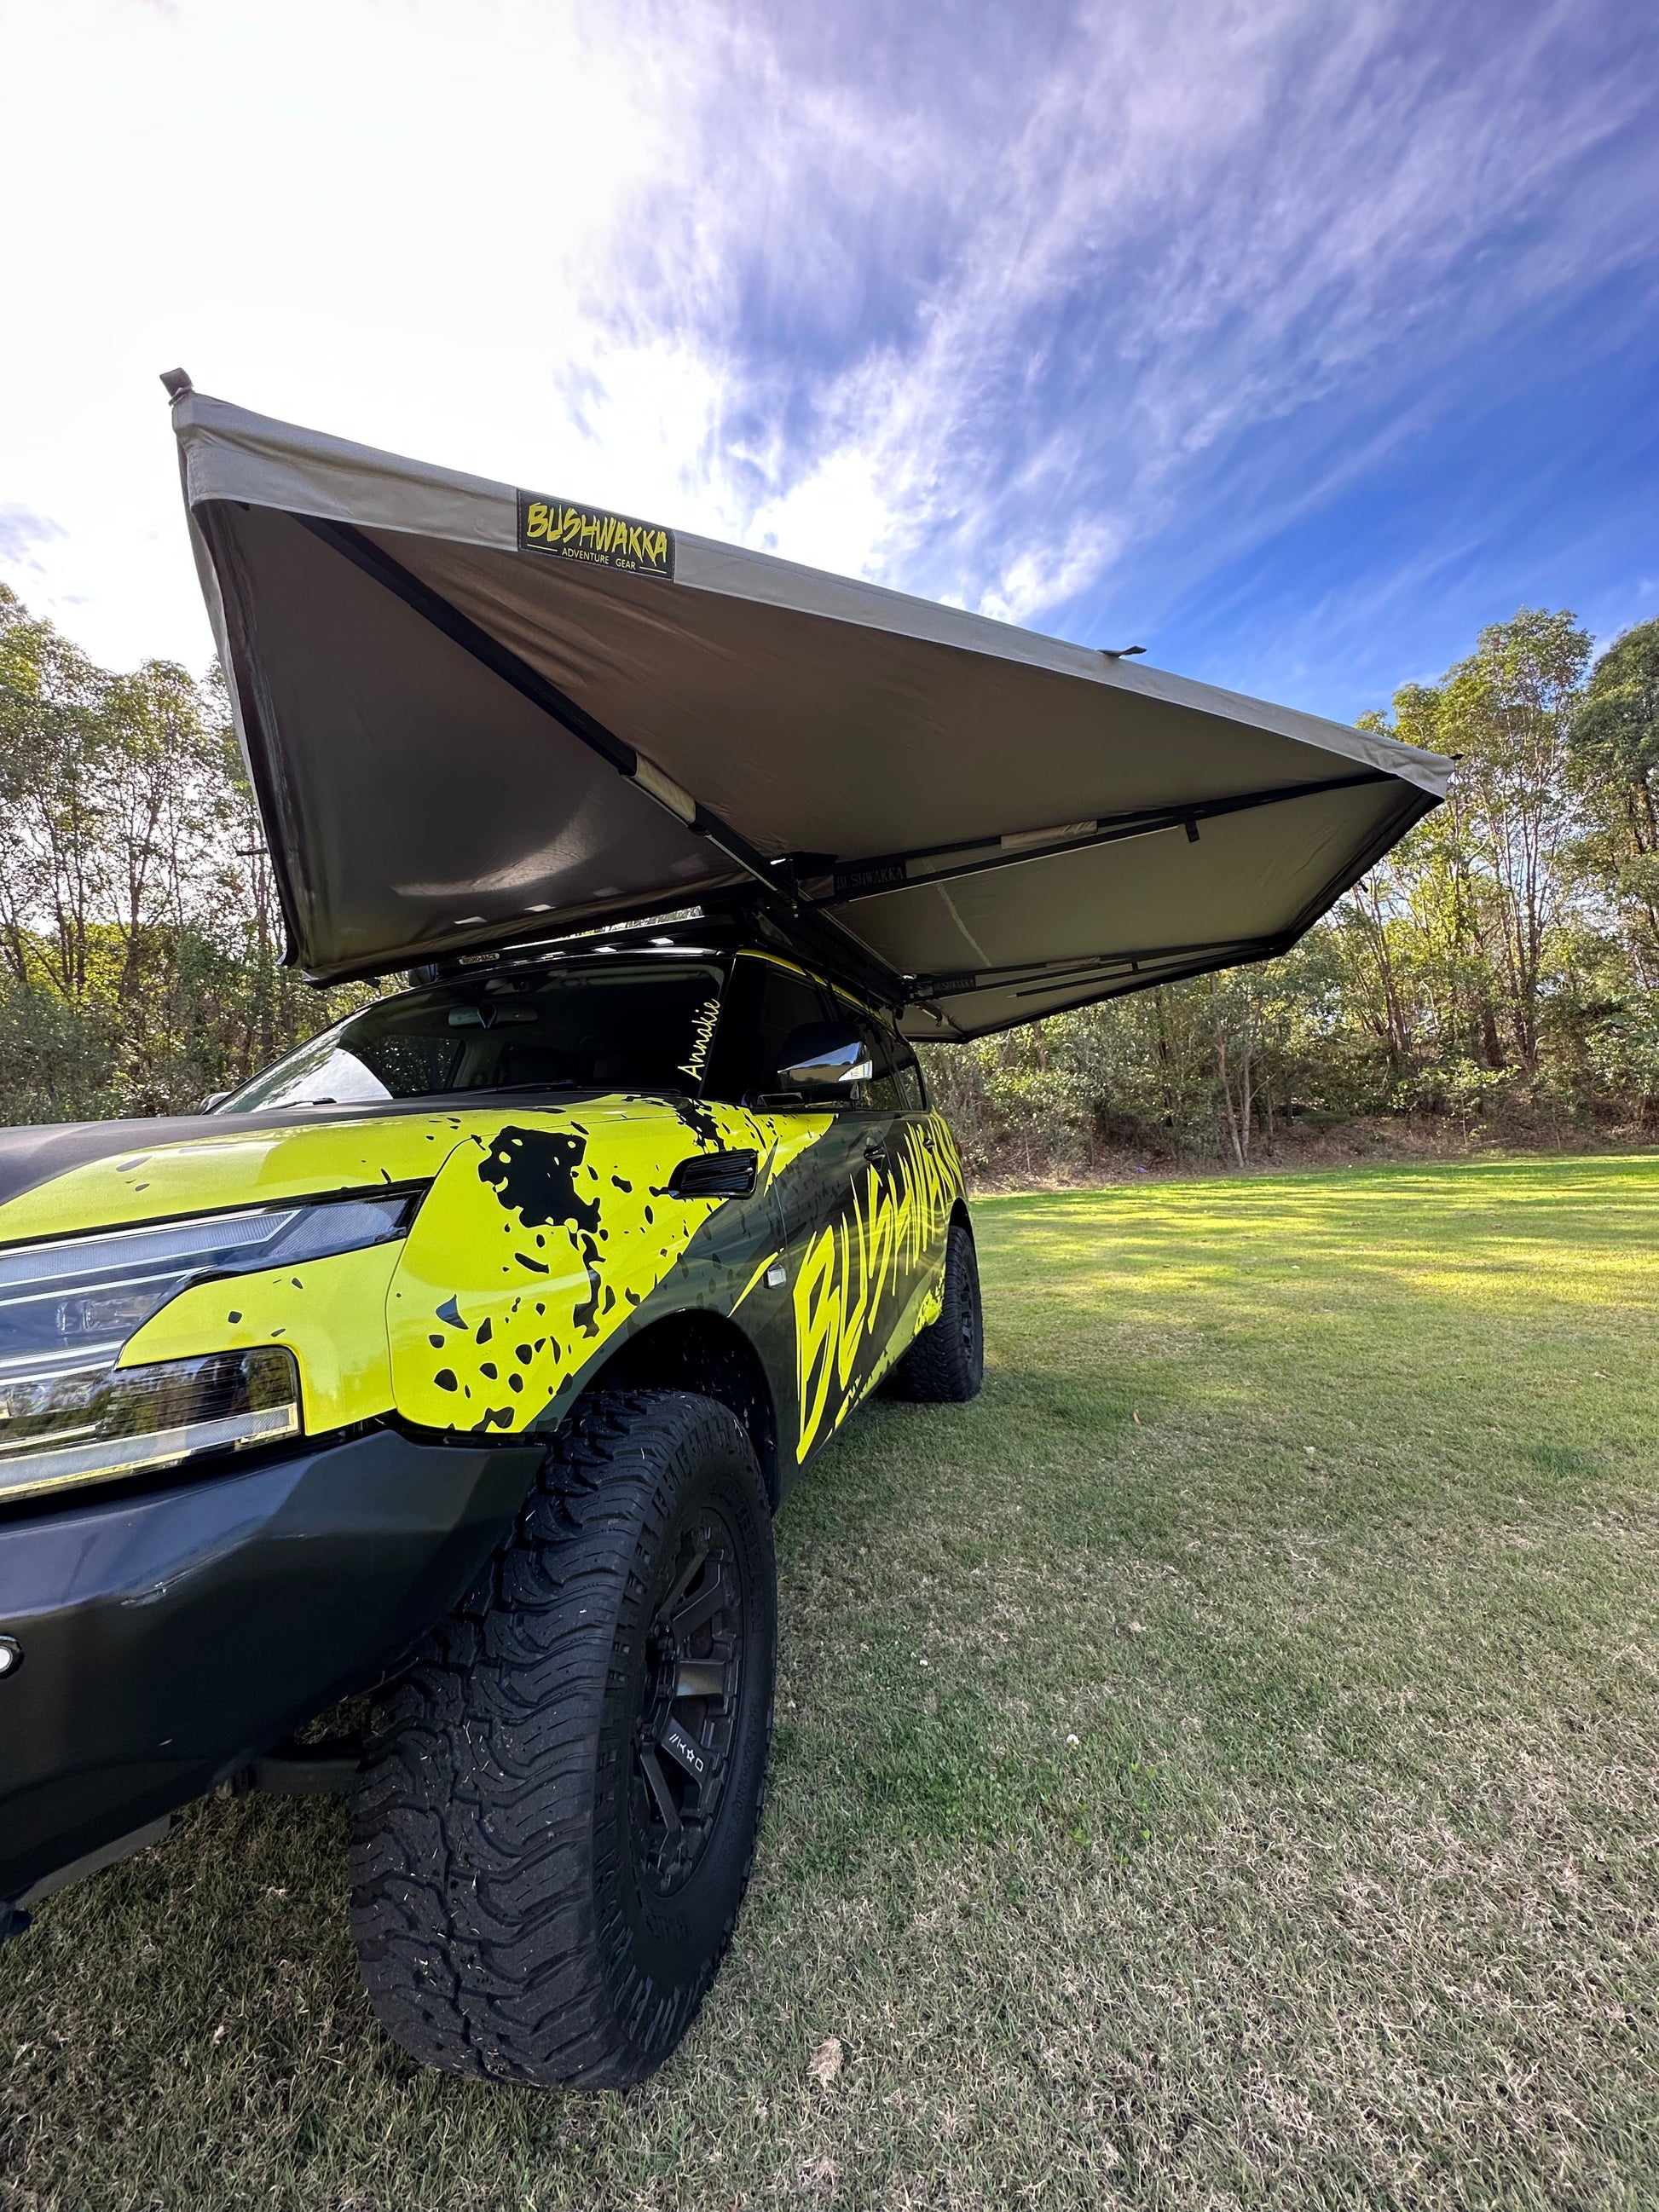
(466, 1353)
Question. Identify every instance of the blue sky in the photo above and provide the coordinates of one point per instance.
(1294, 342)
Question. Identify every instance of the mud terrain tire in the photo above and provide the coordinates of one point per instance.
(556, 1816)
(946, 1365)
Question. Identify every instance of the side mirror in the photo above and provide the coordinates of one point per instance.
(824, 1056)
(214, 1098)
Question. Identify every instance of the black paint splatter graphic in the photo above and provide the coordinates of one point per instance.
(700, 1122)
(586, 1316)
(533, 1173)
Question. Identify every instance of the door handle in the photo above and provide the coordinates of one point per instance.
(875, 1150)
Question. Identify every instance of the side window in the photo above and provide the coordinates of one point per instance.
(908, 1073)
(761, 1003)
(886, 1092)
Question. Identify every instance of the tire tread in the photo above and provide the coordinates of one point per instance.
(474, 1886)
(936, 1370)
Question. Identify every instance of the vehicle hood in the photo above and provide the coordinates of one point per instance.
(69, 1177)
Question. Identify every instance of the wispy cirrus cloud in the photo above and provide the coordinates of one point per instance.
(1002, 309)
(20, 532)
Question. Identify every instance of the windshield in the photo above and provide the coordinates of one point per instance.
(609, 1025)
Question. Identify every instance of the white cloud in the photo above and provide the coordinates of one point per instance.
(1192, 223)
(841, 516)
(380, 219)
(21, 534)
(976, 303)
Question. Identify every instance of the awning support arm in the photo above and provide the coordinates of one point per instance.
(960, 982)
(363, 553)
(890, 871)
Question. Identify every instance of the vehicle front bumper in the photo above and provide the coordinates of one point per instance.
(168, 1638)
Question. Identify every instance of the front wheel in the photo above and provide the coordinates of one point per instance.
(556, 1817)
(945, 1364)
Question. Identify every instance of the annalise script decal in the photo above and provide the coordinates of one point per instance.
(591, 533)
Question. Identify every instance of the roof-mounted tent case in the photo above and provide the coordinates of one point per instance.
(475, 714)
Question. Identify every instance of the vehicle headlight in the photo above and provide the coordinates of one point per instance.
(68, 1414)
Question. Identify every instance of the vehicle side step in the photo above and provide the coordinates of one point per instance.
(15, 1913)
(291, 1769)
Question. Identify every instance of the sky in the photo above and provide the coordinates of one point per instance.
(1293, 342)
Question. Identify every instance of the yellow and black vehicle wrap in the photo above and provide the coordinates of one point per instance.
(543, 1244)
(539, 1243)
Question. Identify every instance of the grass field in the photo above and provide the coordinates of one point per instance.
(1221, 1767)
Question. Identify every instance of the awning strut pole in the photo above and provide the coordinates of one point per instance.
(890, 871)
(958, 983)
(363, 553)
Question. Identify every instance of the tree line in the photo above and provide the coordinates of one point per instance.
(1500, 970)
(140, 940)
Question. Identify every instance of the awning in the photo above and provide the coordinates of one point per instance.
(475, 716)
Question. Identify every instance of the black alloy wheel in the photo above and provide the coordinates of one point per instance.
(689, 1700)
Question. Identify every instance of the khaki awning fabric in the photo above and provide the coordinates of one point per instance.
(475, 716)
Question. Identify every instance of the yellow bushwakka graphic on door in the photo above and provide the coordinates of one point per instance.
(862, 1272)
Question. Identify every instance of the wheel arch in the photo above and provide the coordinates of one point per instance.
(697, 1350)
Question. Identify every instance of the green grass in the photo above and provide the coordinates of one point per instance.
(1217, 1768)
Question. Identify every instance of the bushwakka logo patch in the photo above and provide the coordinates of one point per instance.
(590, 533)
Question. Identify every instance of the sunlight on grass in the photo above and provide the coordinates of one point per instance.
(1217, 1767)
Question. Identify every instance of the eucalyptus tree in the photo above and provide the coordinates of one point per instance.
(1615, 745)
